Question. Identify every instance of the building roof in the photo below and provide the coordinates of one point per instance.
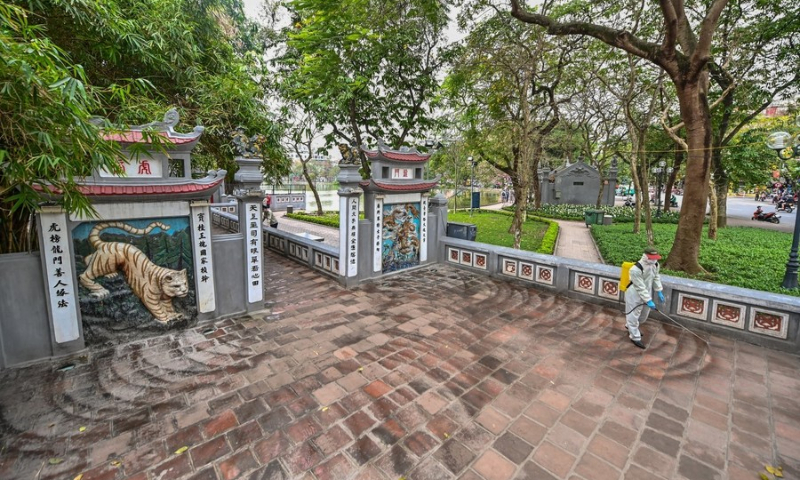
(417, 186)
(176, 188)
(382, 152)
(164, 129)
(137, 136)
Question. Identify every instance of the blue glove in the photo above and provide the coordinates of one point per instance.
(661, 297)
(651, 304)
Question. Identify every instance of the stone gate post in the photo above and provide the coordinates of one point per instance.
(248, 181)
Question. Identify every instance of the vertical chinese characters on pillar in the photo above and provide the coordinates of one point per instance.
(378, 237)
(352, 237)
(254, 284)
(203, 260)
(423, 229)
(58, 266)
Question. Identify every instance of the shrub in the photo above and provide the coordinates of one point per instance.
(329, 219)
(620, 214)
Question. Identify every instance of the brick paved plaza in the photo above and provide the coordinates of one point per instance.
(435, 374)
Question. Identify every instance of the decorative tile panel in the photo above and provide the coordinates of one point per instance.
(767, 322)
(291, 249)
(583, 283)
(328, 264)
(728, 314)
(453, 255)
(466, 258)
(304, 251)
(481, 261)
(318, 259)
(692, 307)
(609, 288)
(546, 275)
(526, 270)
(509, 267)
(336, 265)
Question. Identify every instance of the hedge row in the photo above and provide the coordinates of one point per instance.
(620, 214)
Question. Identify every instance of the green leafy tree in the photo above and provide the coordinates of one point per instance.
(683, 52)
(128, 61)
(504, 86)
(45, 133)
(756, 60)
(364, 68)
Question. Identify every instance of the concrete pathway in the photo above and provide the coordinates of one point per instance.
(330, 234)
(574, 239)
(435, 374)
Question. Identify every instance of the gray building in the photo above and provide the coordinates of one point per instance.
(577, 184)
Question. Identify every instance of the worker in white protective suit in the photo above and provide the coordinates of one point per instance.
(644, 278)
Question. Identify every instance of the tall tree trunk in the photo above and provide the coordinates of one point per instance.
(600, 193)
(648, 213)
(712, 219)
(520, 210)
(313, 188)
(365, 166)
(685, 252)
(676, 168)
(720, 186)
(637, 196)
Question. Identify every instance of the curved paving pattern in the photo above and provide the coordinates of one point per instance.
(435, 374)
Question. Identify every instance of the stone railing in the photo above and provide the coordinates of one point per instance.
(753, 316)
(225, 220)
(318, 256)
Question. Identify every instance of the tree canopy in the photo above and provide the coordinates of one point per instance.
(365, 69)
(128, 61)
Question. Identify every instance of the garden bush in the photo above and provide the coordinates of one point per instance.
(329, 219)
(620, 214)
(741, 256)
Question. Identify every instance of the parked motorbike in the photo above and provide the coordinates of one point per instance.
(785, 206)
(763, 216)
(630, 202)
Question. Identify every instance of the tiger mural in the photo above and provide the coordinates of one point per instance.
(154, 285)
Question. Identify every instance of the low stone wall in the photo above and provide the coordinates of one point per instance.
(753, 316)
(25, 333)
(318, 256)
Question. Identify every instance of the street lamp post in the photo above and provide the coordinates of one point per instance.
(659, 173)
(786, 148)
(471, 185)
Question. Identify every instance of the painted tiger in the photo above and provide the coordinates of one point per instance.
(155, 286)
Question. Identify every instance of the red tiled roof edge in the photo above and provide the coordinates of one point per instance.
(397, 156)
(152, 189)
(401, 187)
(135, 136)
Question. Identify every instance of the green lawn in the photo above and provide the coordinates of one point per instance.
(741, 256)
(493, 229)
(537, 235)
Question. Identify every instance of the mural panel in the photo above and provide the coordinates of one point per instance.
(401, 226)
(136, 278)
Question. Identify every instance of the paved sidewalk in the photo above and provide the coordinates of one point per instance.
(575, 241)
(435, 374)
(330, 234)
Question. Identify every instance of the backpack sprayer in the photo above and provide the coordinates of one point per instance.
(625, 283)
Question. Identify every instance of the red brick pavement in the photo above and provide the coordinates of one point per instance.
(434, 374)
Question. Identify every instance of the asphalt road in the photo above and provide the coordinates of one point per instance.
(740, 212)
